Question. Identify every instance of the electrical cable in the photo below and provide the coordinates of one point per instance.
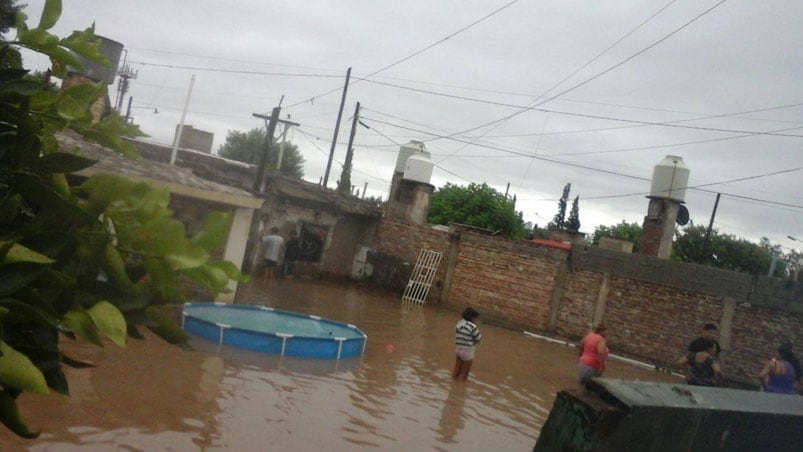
(672, 124)
(596, 169)
(414, 54)
(236, 71)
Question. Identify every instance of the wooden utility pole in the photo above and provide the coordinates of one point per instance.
(344, 185)
(262, 163)
(337, 127)
(263, 156)
(710, 225)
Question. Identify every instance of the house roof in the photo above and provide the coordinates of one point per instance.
(177, 180)
(242, 175)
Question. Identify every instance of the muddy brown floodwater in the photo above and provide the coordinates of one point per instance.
(398, 396)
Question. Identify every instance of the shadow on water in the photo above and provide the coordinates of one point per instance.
(398, 396)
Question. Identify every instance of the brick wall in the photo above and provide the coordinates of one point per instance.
(653, 307)
(505, 280)
(404, 242)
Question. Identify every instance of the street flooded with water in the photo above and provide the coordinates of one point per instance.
(398, 396)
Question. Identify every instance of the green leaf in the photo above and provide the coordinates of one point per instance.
(86, 44)
(108, 132)
(110, 321)
(61, 162)
(164, 280)
(50, 14)
(17, 371)
(10, 208)
(230, 270)
(21, 87)
(48, 200)
(215, 231)
(14, 277)
(19, 253)
(38, 39)
(209, 277)
(11, 418)
(22, 312)
(70, 109)
(160, 322)
(82, 325)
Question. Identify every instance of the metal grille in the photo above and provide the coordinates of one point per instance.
(423, 274)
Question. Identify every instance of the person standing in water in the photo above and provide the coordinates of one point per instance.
(700, 362)
(782, 375)
(593, 355)
(467, 336)
(271, 248)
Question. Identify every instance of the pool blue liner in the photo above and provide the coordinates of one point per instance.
(269, 330)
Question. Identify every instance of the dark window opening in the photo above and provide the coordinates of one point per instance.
(311, 240)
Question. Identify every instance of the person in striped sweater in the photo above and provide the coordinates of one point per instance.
(467, 336)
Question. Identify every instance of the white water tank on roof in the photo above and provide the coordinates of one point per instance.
(418, 169)
(408, 150)
(670, 178)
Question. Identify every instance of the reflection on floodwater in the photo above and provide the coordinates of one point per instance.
(398, 396)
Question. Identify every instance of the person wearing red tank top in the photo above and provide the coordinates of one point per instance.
(593, 353)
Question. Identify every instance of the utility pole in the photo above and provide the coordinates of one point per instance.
(125, 73)
(337, 127)
(344, 184)
(128, 110)
(710, 225)
(364, 188)
(281, 147)
(181, 124)
(262, 164)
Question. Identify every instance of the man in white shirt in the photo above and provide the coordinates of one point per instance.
(271, 248)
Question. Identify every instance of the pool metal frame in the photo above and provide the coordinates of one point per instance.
(278, 342)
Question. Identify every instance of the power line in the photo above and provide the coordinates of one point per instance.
(601, 170)
(588, 80)
(414, 54)
(588, 63)
(673, 124)
(236, 71)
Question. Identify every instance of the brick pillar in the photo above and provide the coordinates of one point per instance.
(659, 228)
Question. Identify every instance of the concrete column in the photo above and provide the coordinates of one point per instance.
(726, 326)
(235, 247)
(602, 297)
(557, 294)
(451, 263)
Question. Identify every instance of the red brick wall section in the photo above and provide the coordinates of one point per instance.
(757, 333)
(405, 241)
(501, 285)
(576, 311)
(655, 322)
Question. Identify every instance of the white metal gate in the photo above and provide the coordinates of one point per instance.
(422, 276)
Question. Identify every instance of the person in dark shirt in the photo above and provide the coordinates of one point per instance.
(710, 333)
(702, 368)
(291, 252)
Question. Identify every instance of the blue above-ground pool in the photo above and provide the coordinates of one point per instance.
(269, 330)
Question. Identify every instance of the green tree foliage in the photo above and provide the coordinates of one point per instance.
(559, 221)
(623, 230)
(573, 223)
(247, 146)
(476, 205)
(8, 11)
(726, 251)
(87, 262)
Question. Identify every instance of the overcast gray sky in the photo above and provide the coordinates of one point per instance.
(614, 87)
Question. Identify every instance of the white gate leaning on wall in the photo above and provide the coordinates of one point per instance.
(423, 274)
